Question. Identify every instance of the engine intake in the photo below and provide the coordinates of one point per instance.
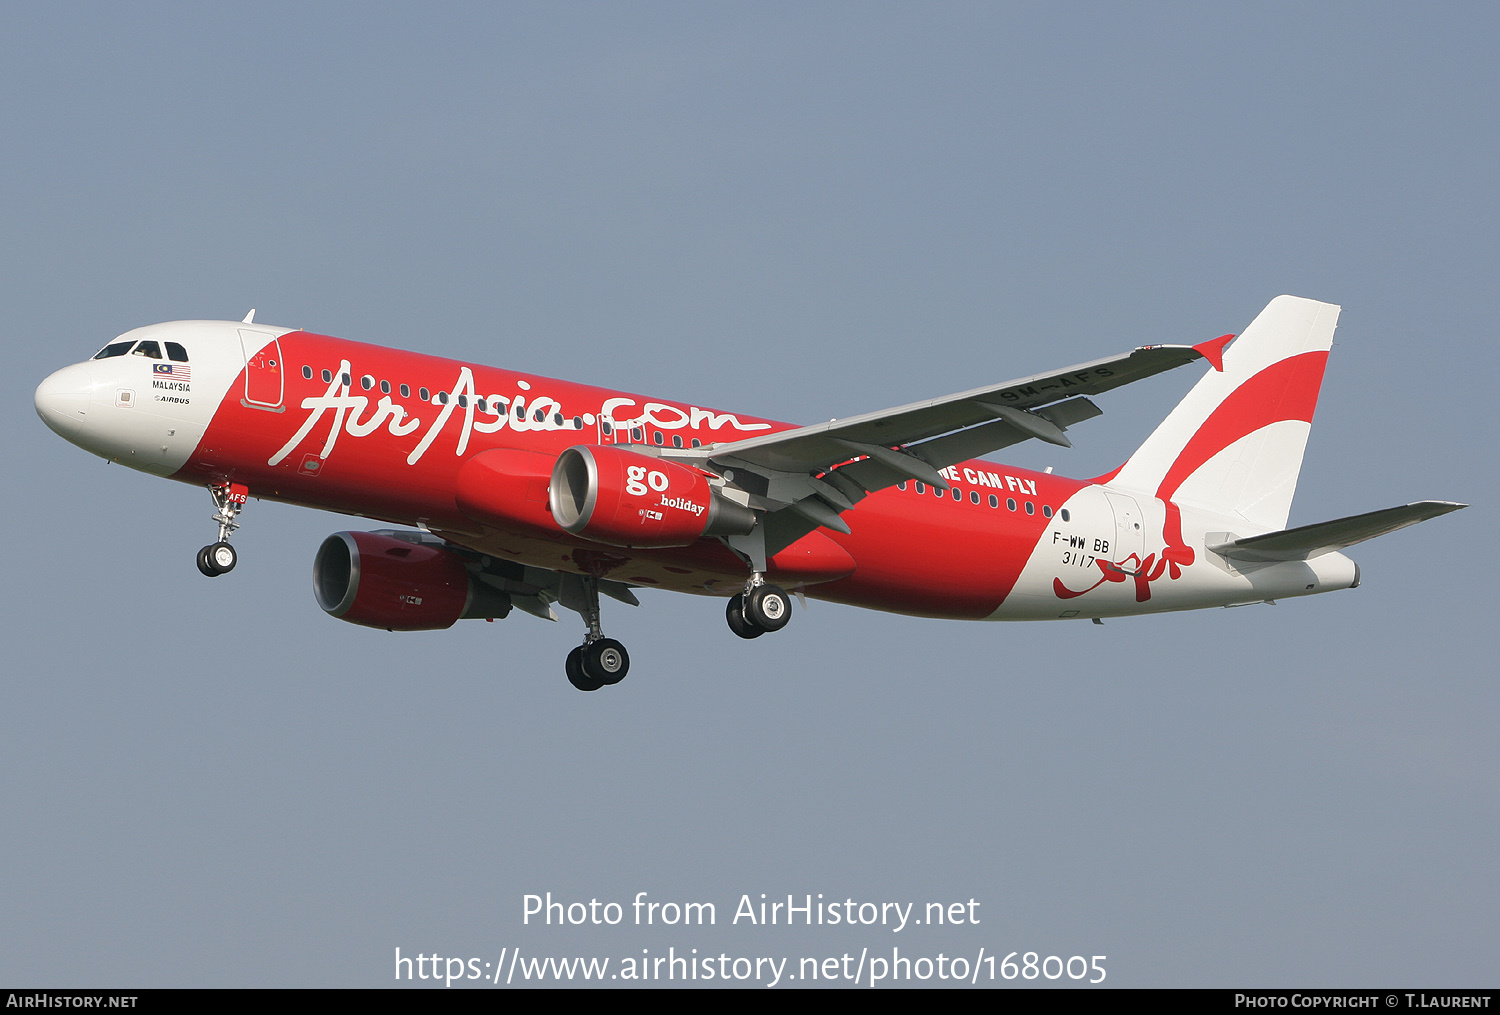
(371, 579)
(623, 498)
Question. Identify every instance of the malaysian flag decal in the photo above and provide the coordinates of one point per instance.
(176, 371)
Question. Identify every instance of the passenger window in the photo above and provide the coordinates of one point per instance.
(367, 382)
(149, 349)
(327, 376)
(443, 397)
(1010, 503)
(557, 418)
(994, 501)
(345, 379)
(1030, 508)
(385, 387)
(306, 372)
(656, 437)
(973, 496)
(921, 488)
(697, 443)
(1046, 511)
(958, 494)
(463, 401)
(424, 394)
(114, 349)
(176, 353)
(406, 391)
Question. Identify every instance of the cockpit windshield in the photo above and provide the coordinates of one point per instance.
(114, 349)
(148, 348)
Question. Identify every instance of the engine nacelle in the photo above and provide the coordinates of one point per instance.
(507, 488)
(623, 498)
(374, 580)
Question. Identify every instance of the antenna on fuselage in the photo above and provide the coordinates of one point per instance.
(250, 317)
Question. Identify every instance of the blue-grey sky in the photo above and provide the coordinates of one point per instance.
(801, 211)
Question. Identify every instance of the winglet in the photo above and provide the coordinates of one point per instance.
(249, 318)
(1213, 350)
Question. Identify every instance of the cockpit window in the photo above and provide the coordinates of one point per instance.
(176, 353)
(114, 349)
(148, 348)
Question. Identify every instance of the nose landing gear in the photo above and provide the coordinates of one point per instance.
(219, 557)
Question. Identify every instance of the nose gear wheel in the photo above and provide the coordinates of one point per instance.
(216, 559)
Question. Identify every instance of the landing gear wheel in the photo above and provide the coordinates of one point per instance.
(768, 607)
(735, 614)
(221, 557)
(576, 675)
(216, 559)
(606, 661)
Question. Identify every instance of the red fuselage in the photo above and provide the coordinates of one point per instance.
(381, 453)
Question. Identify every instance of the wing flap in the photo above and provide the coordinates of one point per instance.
(1013, 427)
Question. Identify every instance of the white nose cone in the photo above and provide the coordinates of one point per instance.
(64, 399)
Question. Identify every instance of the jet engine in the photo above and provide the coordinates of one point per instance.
(371, 579)
(623, 498)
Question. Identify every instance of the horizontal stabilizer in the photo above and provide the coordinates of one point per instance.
(1308, 541)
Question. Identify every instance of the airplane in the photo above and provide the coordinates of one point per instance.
(523, 492)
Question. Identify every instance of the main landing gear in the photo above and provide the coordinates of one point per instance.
(760, 609)
(219, 557)
(599, 661)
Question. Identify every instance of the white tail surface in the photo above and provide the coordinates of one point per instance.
(1235, 443)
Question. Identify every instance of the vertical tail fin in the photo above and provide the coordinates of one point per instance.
(1235, 443)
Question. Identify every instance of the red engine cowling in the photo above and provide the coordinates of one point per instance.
(377, 581)
(623, 498)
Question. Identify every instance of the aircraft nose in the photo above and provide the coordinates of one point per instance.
(62, 400)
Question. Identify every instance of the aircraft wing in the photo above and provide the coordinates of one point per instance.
(823, 445)
(1308, 541)
(806, 477)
